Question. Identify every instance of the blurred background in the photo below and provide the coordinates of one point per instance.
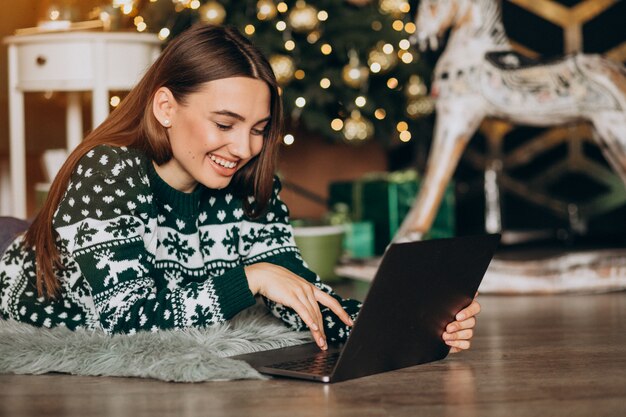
(356, 94)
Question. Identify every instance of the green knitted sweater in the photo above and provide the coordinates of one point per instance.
(140, 255)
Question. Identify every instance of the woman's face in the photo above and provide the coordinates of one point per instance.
(215, 132)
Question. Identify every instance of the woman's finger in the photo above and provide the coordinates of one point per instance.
(334, 306)
(460, 335)
(315, 308)
(455, 326)
(461, 344)
(302, 311)
(470, 311)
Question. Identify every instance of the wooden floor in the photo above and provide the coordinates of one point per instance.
(533, 356)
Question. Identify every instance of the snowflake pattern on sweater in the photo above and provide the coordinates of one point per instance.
(140, 255)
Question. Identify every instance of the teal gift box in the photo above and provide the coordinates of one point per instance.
(385, 199)
(359, 241)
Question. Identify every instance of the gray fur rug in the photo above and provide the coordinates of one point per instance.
(189, 355)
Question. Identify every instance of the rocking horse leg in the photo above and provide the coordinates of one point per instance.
(610, 129)
(455, 125)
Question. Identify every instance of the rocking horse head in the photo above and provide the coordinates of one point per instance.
(481, 18)
(435, 17)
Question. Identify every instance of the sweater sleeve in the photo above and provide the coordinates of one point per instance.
(106, 223)
(271, 240)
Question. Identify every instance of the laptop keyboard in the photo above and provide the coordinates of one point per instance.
(321, 364)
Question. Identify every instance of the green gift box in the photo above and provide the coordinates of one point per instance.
(359, 241)
(385, 199)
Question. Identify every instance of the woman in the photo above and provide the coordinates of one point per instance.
(168, 216)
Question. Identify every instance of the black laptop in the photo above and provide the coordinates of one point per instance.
(418, 289)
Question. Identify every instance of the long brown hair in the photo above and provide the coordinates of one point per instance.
(201, 54)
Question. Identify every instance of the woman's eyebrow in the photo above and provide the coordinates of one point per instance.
(267, 119)
(229, 114)
(238, 116)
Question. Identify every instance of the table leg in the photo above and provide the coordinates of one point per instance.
(74, 120)
(5, 189)
(100, 93)
(17, 139)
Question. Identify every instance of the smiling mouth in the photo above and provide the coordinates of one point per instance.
(223, 162)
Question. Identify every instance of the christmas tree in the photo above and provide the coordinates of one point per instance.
(346, 67)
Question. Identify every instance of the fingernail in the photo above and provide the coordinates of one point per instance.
(321, 341)
(314, 327)
(351, 322)
(460, 316)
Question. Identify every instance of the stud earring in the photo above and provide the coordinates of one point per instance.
(166, 122)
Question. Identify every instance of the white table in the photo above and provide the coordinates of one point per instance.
(71, 62)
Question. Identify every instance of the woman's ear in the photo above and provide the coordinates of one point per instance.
(164, 106)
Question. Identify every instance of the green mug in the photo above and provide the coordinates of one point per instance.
(41, 193)
(321, 247)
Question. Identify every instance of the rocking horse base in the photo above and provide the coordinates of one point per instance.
(591, 271)
(525, 236)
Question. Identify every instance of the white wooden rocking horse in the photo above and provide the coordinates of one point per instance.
(478, 75)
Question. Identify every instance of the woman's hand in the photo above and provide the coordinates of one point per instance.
(459, 333)
(284, 287)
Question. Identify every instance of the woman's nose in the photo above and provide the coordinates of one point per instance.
(240, 146)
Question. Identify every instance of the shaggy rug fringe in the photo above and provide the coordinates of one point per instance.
(189, 355)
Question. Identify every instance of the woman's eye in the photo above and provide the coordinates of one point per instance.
(258, 132)
(223, 127)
